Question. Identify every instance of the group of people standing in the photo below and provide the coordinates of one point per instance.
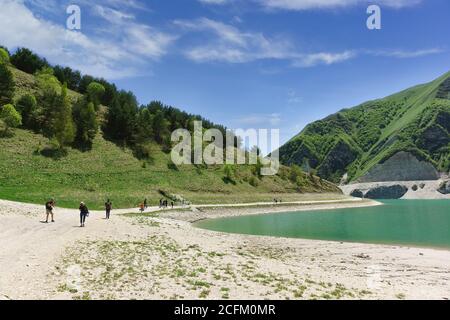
(165, 204)
(84, 210)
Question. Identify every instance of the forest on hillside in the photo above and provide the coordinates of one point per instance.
(100, 105)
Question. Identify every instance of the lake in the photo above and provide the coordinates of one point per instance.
(404, 222)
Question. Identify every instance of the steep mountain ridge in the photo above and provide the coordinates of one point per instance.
(352, 142)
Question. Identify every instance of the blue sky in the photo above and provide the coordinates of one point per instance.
(244, 64)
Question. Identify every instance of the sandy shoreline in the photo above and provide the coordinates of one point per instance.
(165, 257)
(199, 213)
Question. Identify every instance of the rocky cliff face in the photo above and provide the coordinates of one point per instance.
(403, 166)
(387, 192)
(444, 188)
(434, 189)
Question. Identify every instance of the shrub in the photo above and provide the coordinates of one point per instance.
(4, 56)
(26, 106)
(228, 170)
(10, 117)
(95, 92)
(253, 181)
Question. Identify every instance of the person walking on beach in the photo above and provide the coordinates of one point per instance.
(145, 203)
(171, 204)
(108, 207)
(84, 212)
(141, 207)
(49, 206)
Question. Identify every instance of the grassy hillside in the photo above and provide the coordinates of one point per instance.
(354, 140)
(30, 171)
(28, 174)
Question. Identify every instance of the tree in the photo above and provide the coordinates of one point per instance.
(27, 61)
(144, 125)
(47, 81)
(296, 174)
(4, 56)
(85, 118)
(69, 76)
(6, 49)
(62, 122)
(229, 172)
(121, 118)
(10, 117)
(27, 106)
(95, 92)
(47, 97)
(160, 126)
(84, 83)
(6, 85)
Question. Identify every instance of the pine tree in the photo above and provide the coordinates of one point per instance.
(62, 122)
(6, 85)
(86, 119)
(26, 106)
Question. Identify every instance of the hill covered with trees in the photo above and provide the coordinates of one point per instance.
(352, 142)
(75, 137)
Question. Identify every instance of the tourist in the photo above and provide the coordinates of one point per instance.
(145, 203)
(49, 206)
(171, 204)
(84, 212)
(160, 203)
(108, 207)
(141, 207)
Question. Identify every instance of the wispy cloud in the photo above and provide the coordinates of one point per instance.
(299, 5)
(405, 54)
(98, 55)
(326, 58)
(227, 43)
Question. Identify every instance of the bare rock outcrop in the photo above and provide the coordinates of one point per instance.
(402, 166)
(387, 192)
(444, 188)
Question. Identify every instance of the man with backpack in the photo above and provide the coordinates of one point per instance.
(49, 206)
(84, 212)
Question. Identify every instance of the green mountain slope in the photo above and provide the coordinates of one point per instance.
(354, 141)
(30, 172)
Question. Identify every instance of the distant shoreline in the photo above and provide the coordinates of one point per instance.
(204, 212)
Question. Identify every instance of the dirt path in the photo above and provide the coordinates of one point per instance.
(166, 257)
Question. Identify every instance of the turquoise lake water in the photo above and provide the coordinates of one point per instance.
(403, 222)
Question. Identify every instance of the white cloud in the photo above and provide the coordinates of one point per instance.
(229, 44)
(98, 56)
(329, 4)
(310, 60)
(404, 54)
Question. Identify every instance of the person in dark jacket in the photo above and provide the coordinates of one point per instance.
(84, 212)
(108, 207)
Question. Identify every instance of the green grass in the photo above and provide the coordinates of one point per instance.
(108, 171)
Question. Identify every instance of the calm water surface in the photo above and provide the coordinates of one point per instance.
(404, 222)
